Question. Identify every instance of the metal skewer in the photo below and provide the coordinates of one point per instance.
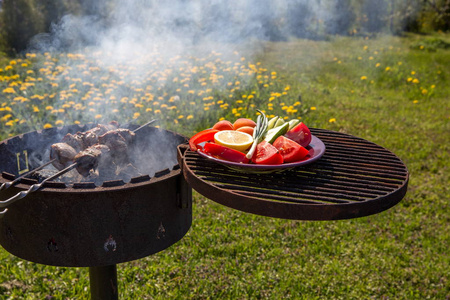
(38, 186)
(146, 124)
(34, 187)
(7, 185)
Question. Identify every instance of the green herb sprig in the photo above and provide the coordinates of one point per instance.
(259, 133)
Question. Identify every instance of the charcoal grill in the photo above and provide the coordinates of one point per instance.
(85, 225)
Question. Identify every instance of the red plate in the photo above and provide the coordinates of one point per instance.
(316, 149)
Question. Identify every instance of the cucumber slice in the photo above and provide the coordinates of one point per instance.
(272, 122)
(274, 133)
(293, 123)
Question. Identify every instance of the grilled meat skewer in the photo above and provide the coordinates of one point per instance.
(62, 154)
(96, 156)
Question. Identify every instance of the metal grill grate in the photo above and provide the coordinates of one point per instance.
(354, 178)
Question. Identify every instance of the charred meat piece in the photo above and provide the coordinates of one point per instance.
(89, 138)
(64, 155)
(127, 134)
(101, 129)
(74, 140)
(93, 157)
(118, 146)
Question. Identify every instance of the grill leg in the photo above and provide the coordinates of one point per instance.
(103, 282)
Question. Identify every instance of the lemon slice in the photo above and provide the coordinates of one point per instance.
(237, 140)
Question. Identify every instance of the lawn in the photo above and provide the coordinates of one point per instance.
(390, 90)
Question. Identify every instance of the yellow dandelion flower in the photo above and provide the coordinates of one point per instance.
(377, 65)
(189, 117)
(424, 91)
(433, 86)
(8, 68)
(387, 69)
(371, 58)
(49, 107)
(332, 120)
(415, 101)
(409, 79)
(363, 77)
(59, 122)
(48, 125)
(9, 90)
(416, 80)
(313, 108)
(413, 72)
(35, 108)
(98, 116)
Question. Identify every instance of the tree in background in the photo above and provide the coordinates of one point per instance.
(375, 15)
(21, 21)
(437, 14)
(341, 17)
(300, 19)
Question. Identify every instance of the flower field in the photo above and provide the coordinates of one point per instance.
(47, 90)
(393, 91)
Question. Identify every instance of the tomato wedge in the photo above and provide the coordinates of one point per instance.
(201, 137)
(290, 150)
(267, 154)
(300, 134)
(225, 153)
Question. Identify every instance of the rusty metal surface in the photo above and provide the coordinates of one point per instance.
(85, 225)
(354, 178)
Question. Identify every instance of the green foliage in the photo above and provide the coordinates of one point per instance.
(430, 44)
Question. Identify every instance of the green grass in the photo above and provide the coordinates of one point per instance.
(401, 253)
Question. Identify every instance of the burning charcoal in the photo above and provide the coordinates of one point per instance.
(42, 174)
(64, 155)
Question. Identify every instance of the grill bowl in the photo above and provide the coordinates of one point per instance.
(84, 224)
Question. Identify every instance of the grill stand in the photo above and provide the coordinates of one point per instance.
(103, 282)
